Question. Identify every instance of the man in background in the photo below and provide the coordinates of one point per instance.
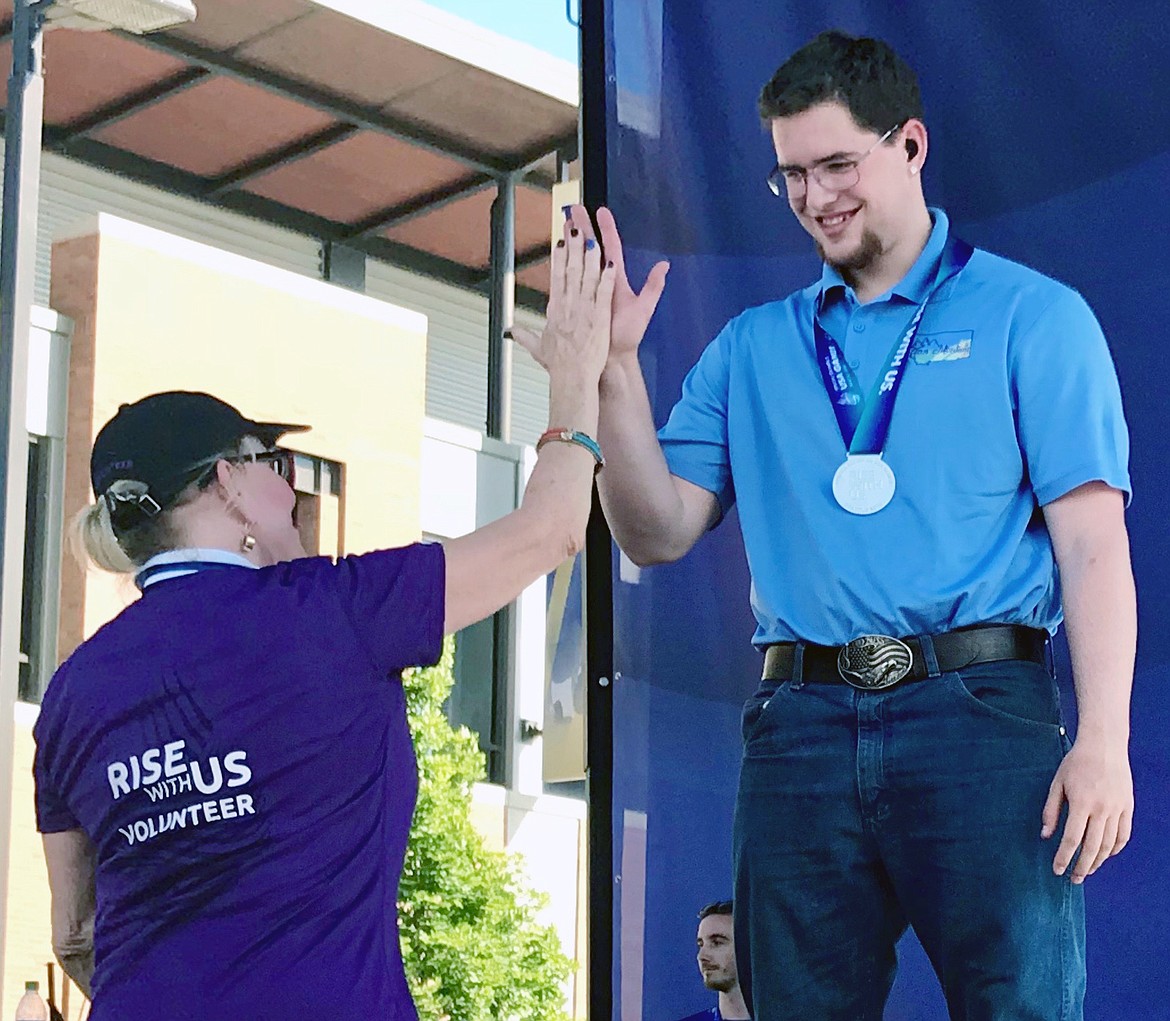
(716, 955)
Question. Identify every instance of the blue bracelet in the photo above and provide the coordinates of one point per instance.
(573, 436)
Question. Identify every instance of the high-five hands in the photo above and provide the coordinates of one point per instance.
(576, 339)
(632, 310)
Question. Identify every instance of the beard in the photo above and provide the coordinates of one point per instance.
(719, 981)
(868, 251)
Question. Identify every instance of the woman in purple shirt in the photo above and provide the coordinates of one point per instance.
(225, 778)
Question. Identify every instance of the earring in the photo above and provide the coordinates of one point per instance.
(248, 543)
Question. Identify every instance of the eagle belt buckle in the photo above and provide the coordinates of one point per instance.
(874, 662)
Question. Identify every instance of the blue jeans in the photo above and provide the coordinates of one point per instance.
(860, 813)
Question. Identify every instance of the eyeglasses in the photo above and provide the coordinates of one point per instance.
(283, 462)
(832, 175)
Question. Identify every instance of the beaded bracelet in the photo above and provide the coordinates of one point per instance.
(573, 436)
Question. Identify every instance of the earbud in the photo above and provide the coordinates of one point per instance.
(911, 148)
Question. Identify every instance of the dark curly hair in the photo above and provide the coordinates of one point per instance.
(865, 75)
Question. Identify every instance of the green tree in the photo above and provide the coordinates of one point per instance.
(472, 946)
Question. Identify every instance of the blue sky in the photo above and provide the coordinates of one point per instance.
(540, 23)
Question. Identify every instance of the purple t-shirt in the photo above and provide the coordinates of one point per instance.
(235, 744)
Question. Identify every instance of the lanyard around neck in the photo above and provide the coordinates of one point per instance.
(865, 421)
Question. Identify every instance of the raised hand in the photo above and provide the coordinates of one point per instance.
(575, 341)
(632, 310)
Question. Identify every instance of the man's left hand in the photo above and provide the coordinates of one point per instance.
(1096, 782)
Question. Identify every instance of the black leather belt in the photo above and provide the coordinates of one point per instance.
(873, 662)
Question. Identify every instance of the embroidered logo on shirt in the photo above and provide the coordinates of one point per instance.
(942, 347)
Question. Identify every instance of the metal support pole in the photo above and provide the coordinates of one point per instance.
(23, 121)
(343, 265)
(605, 942)
(501, 308)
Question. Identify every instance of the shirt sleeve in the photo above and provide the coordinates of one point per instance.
(395, 600)
(695, 439)
(1068, 402)
(53, 815)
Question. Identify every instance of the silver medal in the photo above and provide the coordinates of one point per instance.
(864, 484)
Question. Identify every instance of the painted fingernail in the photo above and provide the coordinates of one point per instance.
(561, 243)
(508, 335)
(568, 211)
(590, 244)
(609, 265)
(574, 232)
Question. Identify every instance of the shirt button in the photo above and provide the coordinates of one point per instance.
(855, 364)
(858, 327)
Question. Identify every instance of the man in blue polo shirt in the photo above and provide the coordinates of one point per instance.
(915, 443)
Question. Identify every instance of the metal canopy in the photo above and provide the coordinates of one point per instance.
(294, 113)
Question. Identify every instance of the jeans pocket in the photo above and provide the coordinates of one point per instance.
(755, 707)
(1012, 690)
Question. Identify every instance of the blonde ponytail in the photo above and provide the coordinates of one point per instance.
(91, 537)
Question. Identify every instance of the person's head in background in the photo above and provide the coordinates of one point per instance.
(715, 942)
(181, 470)
(847, 125)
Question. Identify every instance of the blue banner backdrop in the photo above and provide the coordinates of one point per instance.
(1050, 145)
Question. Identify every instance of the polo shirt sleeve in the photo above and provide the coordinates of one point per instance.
(694, 439)
(53, 814)
(395, 600)
(1068, 402)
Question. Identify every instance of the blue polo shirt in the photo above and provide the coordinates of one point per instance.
(235, 745)
(1010, 401)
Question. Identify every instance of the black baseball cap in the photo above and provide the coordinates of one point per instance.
(160, 440)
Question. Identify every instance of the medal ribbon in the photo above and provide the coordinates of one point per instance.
(865, 421)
